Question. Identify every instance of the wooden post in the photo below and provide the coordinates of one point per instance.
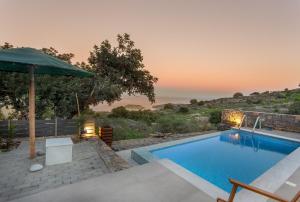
(31, 114)
(55, 127)
(77, 101)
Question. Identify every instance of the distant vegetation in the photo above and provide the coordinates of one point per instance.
(193, 101)
(238, 95)
(198, 115)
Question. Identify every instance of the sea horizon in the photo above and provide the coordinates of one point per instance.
(146, 104)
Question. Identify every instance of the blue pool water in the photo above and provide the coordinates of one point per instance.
(240, 155)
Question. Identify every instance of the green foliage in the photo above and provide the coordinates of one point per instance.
(123, 67)
(169, 106)
(215, 116)
(295, 108)
(80, 121)
(238, 95)
(254, 101)
(280, 95)
(176, 124)
(119, 112)
(183, 110)
(144, 115)
(254, 94)
(295, 96)
(193, 101)
(126, 128)
(1, 116)
(11, 132)
(118, 70)
(201, 103)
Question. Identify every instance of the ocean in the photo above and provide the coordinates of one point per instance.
(144, 102)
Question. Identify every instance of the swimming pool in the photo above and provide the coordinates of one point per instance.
(236, 154)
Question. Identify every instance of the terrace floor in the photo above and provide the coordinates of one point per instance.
(17, 181)
(147, 183)
(88, 178)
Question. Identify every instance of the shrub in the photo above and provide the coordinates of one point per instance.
(215, 116)
(266, 92)
(183, 110)
(144, 115)
(201, 103)
(254, 93)
(295, 108)
(119, 112)
(169, 106)
(281, 95)
(238, 95)
(193, 101)
(126, 128)
(1, 115)
(173, 124)
(254, 101)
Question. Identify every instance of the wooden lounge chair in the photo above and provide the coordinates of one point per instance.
(237, 184)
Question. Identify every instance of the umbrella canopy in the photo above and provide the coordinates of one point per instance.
(32, 61)
(20, 59)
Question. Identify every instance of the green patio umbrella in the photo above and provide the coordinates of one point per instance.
(32, 61)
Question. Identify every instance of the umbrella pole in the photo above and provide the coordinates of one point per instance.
(32, 114)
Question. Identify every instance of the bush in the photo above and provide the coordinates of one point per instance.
(119, 112)
(193, 101)
(201, 103)
(173, 124)
(295, 108)
(215, 116)
(126, 128)
(281, 95)
(238, 95)
(169, 106)
(1, 116)
(183, 110)
(254, 101)
(254, 93)
(144, 115)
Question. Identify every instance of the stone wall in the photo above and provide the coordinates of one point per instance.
(284, 122)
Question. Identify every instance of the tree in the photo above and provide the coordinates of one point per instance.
(123, 67)
(238, 95)
(193, 101)
(118, 70)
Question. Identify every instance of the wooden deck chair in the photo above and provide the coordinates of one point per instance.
(237, 184)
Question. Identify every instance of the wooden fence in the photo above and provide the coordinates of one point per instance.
(56, 127)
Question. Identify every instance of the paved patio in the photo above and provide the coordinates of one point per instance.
(16, 180)
(147, 183)
(94, 161)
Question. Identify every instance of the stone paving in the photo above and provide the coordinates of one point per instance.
(16, 180)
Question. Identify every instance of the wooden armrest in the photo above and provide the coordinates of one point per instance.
(258, 190)
(270, 195)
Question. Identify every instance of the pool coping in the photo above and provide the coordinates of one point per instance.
(267, 180)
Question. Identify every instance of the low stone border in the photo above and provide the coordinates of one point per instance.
(112, 161)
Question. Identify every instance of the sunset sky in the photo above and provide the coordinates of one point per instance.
(202, 46)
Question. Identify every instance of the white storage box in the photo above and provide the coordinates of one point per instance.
(58, 150)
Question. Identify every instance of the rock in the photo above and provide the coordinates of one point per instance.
(223, 126)
(40, 153)
(35, 167)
